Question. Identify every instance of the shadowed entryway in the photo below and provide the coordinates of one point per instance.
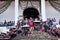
(30, 12)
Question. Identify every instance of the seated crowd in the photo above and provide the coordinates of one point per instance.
(48, 26)
(5, 23)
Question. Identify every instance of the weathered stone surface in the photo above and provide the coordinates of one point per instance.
(35, 35)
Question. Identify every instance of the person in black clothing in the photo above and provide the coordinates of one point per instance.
(5, 23)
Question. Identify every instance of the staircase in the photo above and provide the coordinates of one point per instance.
(35, 35)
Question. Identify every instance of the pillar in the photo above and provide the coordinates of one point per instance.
(16, 11)
(43, 13)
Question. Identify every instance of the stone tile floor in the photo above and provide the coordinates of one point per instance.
(36, 35)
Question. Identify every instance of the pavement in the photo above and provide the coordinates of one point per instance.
(36, 35)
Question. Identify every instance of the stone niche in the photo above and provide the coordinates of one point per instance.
(26, 4)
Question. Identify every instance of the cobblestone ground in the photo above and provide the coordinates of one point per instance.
(35, 35)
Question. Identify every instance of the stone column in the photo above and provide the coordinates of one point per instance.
(16, 11)
(43, 13)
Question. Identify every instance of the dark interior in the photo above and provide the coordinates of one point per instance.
(30, 12)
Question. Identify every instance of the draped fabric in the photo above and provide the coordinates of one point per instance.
(55, 4)
(26, 4)
(4, 5)
(33, 4)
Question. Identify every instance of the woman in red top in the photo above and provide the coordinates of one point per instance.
(30, 23)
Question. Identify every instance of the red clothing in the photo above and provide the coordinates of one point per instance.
(10, 33)
(30, 22)
(43, 29)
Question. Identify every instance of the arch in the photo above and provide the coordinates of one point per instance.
(31, 12)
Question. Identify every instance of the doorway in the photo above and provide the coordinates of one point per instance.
(31, 12)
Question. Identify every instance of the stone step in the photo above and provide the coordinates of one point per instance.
(35, 35)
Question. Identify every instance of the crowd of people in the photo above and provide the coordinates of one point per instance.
(5, 23)
(48, 26)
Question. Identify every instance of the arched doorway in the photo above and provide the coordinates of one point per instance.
(31, 12)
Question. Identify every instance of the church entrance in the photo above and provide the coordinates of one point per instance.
(31, 12)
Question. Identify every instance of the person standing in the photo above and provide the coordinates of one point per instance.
(5, 23)
(30, 23)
